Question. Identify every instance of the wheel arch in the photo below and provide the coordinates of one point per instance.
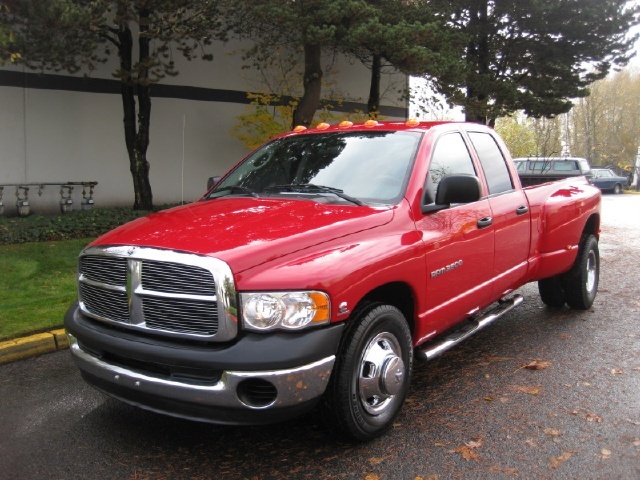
(397, 294)
(592, 226)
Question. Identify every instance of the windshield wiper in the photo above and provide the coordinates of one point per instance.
(234, 189)
(311, 188)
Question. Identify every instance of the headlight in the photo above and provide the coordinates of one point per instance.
(284, 310)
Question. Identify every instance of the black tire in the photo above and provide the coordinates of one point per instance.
(617, 189)
(580, 284)
(551, 291)
(372, 373)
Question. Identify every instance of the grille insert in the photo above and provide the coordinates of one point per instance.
(105, 303)
(177, 278)
(109, 270)
(186, 316)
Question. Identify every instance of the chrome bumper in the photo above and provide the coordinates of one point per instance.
(294, 386)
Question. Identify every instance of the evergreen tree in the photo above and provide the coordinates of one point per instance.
(535, 55)
(309, 27)
(406, 36)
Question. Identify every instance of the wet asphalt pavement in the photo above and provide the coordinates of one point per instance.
(475, 412)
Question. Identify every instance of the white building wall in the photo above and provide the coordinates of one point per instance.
(51, 131)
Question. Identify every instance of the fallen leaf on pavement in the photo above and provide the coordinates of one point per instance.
(589, 416)
(560, 459)
(552, 432)
(474, 444)
(468, 449)
(537, 365)
(526, 389)
(616, 371)
(466, 452)
(605, 453)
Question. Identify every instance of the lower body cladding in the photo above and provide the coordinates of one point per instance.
(152, 375)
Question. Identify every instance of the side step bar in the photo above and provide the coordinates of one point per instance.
(435, 348)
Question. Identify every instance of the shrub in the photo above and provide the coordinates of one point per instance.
(71, 225)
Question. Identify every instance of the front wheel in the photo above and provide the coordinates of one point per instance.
(581, 282)
(372, 373)
(617, 189)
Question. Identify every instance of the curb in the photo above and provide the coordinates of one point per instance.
(21, 348)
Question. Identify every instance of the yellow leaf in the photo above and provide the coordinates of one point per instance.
(552, 432)
(527, 389)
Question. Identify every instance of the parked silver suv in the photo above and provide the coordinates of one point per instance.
(535, 170)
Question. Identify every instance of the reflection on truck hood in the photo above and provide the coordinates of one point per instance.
(246, 232)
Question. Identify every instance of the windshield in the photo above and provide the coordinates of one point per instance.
(368, 167)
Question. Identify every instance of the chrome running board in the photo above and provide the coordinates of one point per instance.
(434, 348)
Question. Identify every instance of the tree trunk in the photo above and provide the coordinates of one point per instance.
(478, 67)
(136, 132)
(140, 168)
(312, 83)
(373, 105)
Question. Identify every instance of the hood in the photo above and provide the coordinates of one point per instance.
(245, 232)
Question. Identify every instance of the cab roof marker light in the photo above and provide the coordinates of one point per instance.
(299, 128)
(345, 124)
(371, 123)
(412, 122)
(322, 126)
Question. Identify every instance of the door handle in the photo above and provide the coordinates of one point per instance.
(485, 222)
(521, 210)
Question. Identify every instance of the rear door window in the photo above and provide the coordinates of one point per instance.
(493, 163)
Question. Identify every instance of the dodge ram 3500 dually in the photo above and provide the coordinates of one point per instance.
(318, 267)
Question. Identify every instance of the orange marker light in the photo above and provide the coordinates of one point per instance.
(370, 123)
(345, 124)
(323, 126)
(412, 122)
(300, 128)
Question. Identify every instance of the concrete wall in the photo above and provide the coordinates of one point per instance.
(63, 128)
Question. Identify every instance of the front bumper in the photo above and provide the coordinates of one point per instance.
(259, 379)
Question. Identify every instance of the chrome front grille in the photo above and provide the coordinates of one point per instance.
(164, 292)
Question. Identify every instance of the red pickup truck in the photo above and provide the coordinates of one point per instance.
(319, 267)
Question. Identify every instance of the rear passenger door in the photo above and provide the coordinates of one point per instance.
(510, 214)
(458, 245)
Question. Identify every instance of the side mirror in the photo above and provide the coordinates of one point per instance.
(211, 181)
(455, 188)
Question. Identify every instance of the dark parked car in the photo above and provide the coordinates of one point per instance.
(607, 180)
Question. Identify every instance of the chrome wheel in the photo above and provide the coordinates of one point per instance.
(592, 271)
(382, 373)
(372, 373)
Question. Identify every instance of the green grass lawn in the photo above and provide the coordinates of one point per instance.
(37, 285)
